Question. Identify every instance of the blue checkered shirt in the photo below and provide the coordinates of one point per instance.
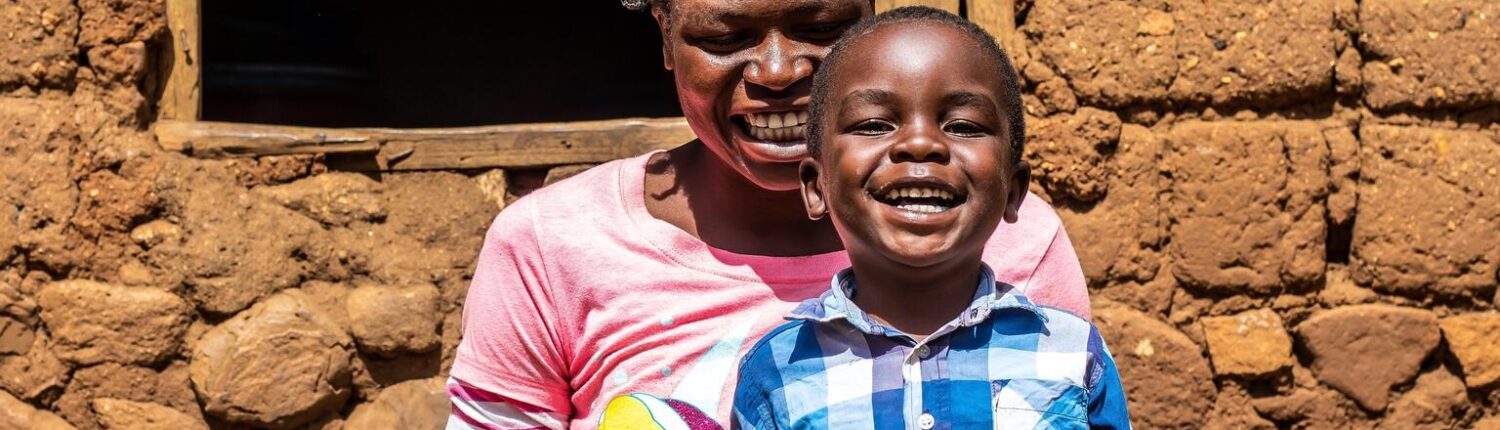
(1004, 363)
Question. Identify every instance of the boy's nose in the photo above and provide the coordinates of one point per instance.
(920, 145)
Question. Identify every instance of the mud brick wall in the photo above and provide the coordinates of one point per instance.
(1289, 213)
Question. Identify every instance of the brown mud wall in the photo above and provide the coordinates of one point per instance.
(1289, 212)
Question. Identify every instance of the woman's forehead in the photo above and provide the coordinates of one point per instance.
(751, 10)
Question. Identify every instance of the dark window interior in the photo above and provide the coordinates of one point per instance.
(439, 63)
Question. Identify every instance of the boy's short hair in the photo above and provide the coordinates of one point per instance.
(1010, 101)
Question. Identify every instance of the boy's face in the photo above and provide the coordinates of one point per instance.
(915, 157)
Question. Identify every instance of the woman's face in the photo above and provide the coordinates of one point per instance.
(744, 75)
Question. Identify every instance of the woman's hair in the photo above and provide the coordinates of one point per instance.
(643, 4)
(1010, 97)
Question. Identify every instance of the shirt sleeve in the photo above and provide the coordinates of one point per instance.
(1107, 408)
(1058, 279)
(511, 344)
(477, 409)
(752, 401)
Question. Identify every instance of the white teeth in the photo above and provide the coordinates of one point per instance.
(780, 126)
(918, 193)
(931, 209)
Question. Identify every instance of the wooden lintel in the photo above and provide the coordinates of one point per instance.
(506, 146)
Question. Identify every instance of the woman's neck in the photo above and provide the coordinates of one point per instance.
(694, 190)
(917, 301)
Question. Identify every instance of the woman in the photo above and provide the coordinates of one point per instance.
(624, 295)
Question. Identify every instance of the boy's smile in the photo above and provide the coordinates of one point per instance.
(915, 164)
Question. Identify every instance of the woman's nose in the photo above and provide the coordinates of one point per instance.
(780, 63)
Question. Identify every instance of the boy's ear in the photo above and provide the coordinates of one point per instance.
(1020, 182)
(666, 36)
(812, 190)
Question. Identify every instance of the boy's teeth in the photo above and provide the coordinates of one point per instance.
(918, 193)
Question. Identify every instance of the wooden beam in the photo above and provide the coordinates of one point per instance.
(999, 18)
(885, 5)
(181, 97)
(504, 146)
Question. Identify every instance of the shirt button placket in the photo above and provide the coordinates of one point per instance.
(926, 422)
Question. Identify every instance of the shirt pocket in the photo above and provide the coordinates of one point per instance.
(1039, 404)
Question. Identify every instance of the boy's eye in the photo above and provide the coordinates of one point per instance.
(963, 128)
(871, 127)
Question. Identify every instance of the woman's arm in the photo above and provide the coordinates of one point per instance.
(509, 371)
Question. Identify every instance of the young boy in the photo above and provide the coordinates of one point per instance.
(915, 141)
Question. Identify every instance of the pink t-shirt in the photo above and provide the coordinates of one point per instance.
(583, 302)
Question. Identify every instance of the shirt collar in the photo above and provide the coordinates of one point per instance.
(837, 303)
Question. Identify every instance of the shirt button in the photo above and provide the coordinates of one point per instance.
(925, 421)
(924, 352)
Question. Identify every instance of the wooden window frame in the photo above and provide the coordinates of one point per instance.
(536, 145)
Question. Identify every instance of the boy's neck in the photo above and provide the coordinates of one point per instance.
(917, 301)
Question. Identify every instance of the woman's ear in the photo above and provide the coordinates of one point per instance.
(663, 24)
(812, 190)
(1020, 182)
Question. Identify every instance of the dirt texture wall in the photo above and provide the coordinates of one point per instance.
(1288, 211)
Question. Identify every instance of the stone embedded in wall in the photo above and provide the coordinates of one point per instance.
(237, 246)
(1127, 227)
(38, 43)
(417, 405)
(1117, 54)
(156, 232)
(1430, 54)
(1364, 350)
(1165, 375)
(120, 21)
(1343, 174)
(1067, 153)
(1488, 423)
(17, 415)
(1436, 402)
(278, 365)
(564, 172)
(116, 414)
(123, 64)
(35, 373)
(1233, 409)
(114, 202)
(1252, 343)
(335, 199)
(1314, 407)
(39, 139)
(93, 322)
(494, 186)
(391, 320)
(1247, 205)
(1475, 340)
(1429, 211)
(168, 387)
(449, 238)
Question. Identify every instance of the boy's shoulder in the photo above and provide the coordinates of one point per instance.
(762, 357)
